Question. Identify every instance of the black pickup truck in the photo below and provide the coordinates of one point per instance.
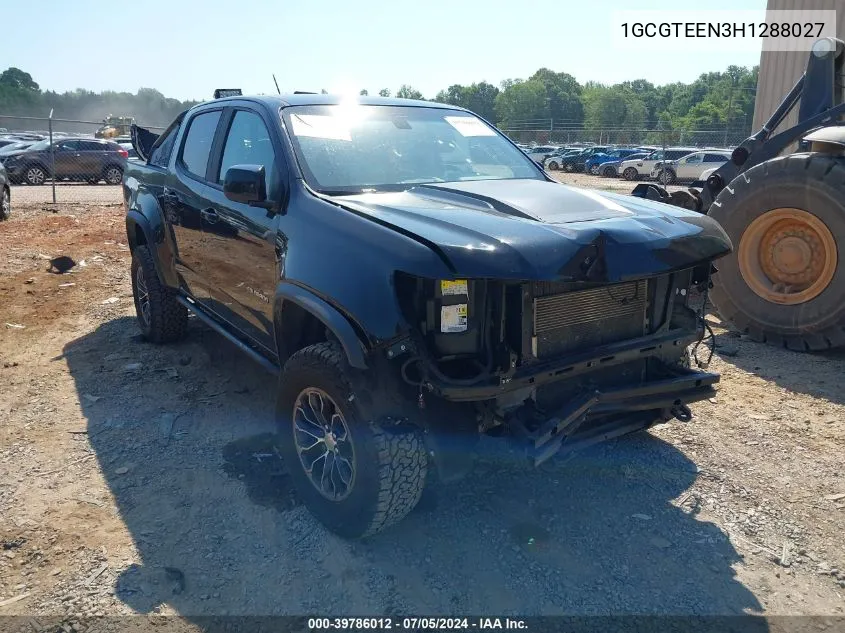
(416, 281)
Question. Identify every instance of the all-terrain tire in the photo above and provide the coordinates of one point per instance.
(164, 320)
(390, 465)
(814, 183)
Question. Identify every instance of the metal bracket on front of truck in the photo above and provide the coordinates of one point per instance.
(595, 416)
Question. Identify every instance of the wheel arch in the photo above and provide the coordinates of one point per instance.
(143, 231)
(297, 312)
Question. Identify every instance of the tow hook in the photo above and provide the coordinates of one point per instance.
(682, 412)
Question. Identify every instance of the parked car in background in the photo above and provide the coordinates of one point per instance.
(642, 167)
(610, 169)
(553, 161)
(689, 167)
(5, 195)
(557, 160)
(16, 146)
(88, 159)
(578, 163)
(130, 150)
(541, 152)
(706, 173)
(595, 161)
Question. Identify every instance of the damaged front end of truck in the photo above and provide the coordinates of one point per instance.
(558, 347)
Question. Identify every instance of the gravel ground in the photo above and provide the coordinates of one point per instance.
(137, 479)
(27, 196)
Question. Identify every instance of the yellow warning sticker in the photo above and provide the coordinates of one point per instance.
(457, 287)
(453, 318)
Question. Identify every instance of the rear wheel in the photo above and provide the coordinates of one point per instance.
(568, 167)
(354, 476)
(785, 281)
(630, 173)
(666, 176)
(113, 175)
(608, 172)
(161, 317)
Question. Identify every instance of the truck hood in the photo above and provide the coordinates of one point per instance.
(545, 231)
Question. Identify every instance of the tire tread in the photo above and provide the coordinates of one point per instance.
(169, 317)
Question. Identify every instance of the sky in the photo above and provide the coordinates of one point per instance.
(187, 49)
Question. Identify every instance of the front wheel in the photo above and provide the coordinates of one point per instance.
(35, 175)
(630, 173)
(553, 166)
(355, 477)
(608, 172)
(594, 170)
(568, 168)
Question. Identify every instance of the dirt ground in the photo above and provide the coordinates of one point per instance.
(137, 479)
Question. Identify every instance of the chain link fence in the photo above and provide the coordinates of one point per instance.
(54, 161)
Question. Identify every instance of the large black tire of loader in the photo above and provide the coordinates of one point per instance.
(814, 183)
(389, 466)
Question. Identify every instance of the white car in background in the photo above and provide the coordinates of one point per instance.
(689, 167)
(642, 167)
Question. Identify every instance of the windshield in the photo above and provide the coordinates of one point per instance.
(354, 148)
(40, 145)
(14, 147)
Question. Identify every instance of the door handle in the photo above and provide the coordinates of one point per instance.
(209, 215)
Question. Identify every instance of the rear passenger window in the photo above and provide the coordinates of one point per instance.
(197, 147)
(161, 154)
(92, 146)
(715, 158)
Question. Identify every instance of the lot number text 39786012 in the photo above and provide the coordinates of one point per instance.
(416, 624)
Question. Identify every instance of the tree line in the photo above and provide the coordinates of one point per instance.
(716, 100)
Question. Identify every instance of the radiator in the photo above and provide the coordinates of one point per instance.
(575, 321)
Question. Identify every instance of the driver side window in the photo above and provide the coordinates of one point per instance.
(248, 143)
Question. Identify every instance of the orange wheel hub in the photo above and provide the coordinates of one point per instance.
(787, 256)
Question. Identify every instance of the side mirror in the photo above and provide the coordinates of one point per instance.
(246, 184)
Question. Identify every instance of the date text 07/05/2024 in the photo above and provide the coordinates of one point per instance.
(415, 624)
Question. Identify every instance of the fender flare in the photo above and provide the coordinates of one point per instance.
(332, 318)
(136, 219)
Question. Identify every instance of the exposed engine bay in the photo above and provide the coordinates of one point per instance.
(527, 353)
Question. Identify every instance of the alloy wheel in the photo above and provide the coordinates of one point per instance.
(324, 445)
(143, 296)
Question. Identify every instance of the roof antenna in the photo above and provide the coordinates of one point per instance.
(277, 84)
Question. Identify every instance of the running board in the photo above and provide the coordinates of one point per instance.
(259, 358)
